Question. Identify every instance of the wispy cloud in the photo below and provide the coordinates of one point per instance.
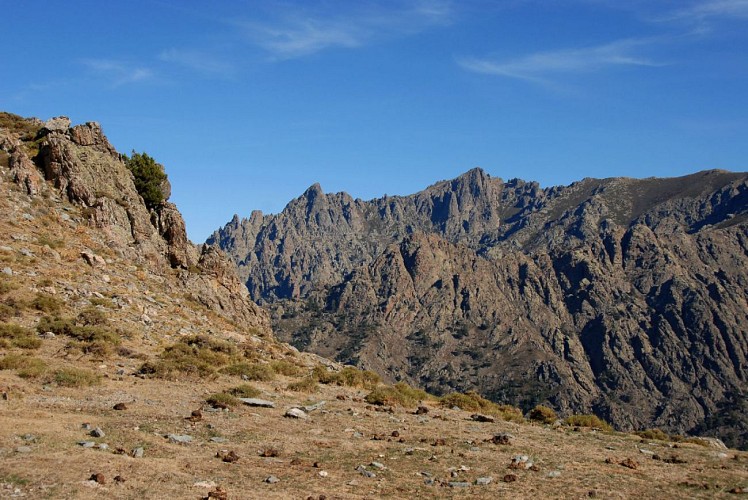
(197, 60)
(540, 67)
(118, 73)
(299, 33)
(713, 9)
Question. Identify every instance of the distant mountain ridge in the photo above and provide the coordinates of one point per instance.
(626, 297)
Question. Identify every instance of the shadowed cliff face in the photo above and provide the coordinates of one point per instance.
(620, 296)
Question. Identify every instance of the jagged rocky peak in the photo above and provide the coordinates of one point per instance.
(624, 297)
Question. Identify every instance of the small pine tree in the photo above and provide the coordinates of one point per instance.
(149, 178)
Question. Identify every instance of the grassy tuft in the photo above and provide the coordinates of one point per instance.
(472, 401)
(222, 400)
(591, 421)
(307, 385)
(46, 303)
(283, 367)
(245, 391)
(250, 371)
(542, 414)
(18, 336)
(74, 377)
(25, 366)
(400, 394)
(198, 356)
(349, 376)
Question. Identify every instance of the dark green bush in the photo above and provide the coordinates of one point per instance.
(592, 421)
(400, 394)
(150, 178)
(542, 414)
(18, 336)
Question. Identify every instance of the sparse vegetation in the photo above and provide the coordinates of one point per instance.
(472, 401)
(25, 366)
(307, 385)
(400, 394)
(283, 367)
(46, 303)
(259, 372)
(245, 391)
(149, 178)
(74, 377)
(349, 376)
(17, 336)
(591, 421)
(198, 355)
(542, 414)
(653, 434)
(222, 400)
(79, 329)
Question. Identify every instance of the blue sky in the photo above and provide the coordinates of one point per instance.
(249, 103)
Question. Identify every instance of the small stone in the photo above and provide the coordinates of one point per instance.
(260, 403)
(86, 426)
(395, 434)
(483, 481)
(459, 484)
(429, 481)
(28, 437)
(378, 465)
(323, 473)
(296, 413)
(120, 406)
(119, 479)
(98, 477)
(554, 473)
(509, 478)
(26, 252)
(204, 484)
(87, 444)
(102, 446)
(272, 480)
(98, 433)
(8, 271)
(217, 439)
(180, 439)
(23, 449)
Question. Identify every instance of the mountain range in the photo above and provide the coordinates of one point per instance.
(623, 297)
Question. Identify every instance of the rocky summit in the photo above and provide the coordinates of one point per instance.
(134, 364)
(621, 297)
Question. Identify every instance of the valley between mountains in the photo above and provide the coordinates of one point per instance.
(135, 364)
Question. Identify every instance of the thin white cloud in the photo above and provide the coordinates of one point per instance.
(303, 32)
(196, 60)
(713, 9)
(118, 73)
(540, 67)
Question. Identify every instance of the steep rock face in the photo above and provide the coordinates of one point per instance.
(620, 296)
(81, 165)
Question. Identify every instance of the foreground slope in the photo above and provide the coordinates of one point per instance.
(620, 296)
(115, 377)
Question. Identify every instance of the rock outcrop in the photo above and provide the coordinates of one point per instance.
(80, 165)
(619, 296)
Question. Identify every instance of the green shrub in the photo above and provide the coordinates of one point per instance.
(592, 421)
(283, 367)
(400, 394)
(349, 376)
(18, 336)
(74, 377)
(78, 331)
(653, 434)
(149, 177)
(91, 316)
(222, 400)
(542, 414)
(104, 302)
(245, 391)
(25, 366)
(307, 385)
(472, 401)
(46, 303)
(250, 371)
(199, 356)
